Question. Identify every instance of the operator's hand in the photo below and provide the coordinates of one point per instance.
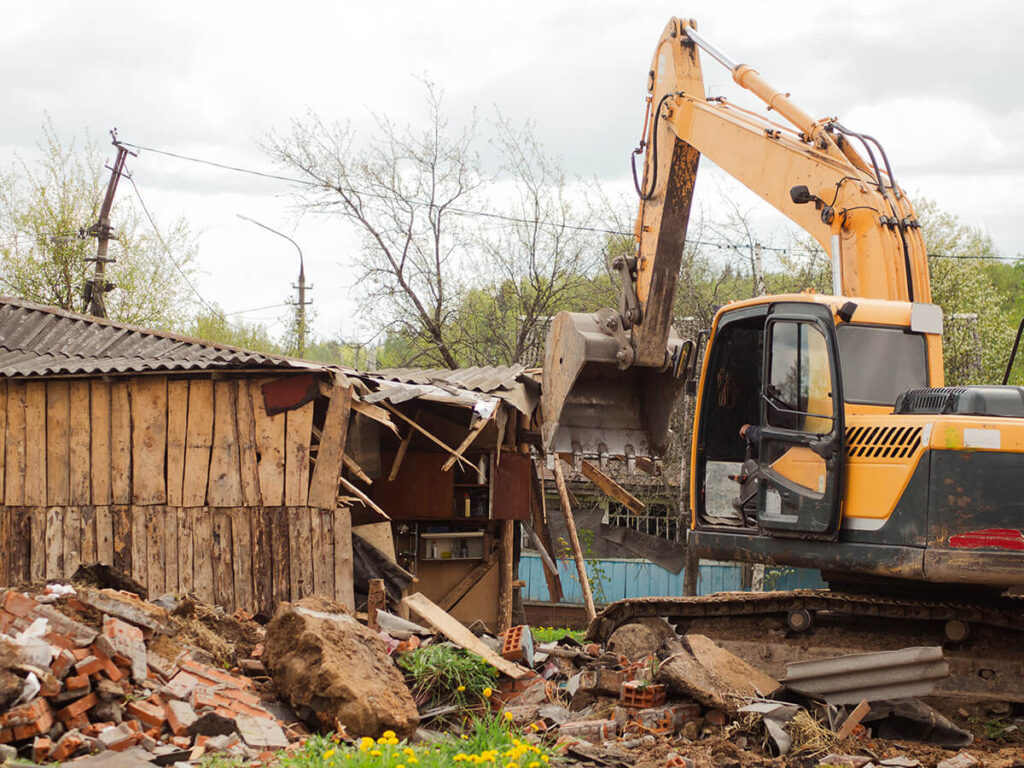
(743, 431)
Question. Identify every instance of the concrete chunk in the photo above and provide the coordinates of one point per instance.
(261, 733)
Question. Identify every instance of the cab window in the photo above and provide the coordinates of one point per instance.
(798, 393)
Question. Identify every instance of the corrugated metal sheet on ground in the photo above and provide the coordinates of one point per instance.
(637, 578)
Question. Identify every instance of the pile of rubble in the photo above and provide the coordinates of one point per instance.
(89, 670)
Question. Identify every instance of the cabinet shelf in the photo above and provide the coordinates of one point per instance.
(453, 535)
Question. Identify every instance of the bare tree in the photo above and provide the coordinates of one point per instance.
(399, 189)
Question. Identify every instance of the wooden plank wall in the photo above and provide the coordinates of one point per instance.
(185, 483)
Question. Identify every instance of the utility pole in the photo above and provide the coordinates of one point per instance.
(301, 286)
(96, 287)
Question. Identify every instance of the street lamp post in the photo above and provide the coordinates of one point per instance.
(301, 284)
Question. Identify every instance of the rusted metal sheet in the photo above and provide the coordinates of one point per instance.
(872, 676)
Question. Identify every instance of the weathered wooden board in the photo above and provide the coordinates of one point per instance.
(54, 552)
(140, 548)
(298, 433)
(225, 488)
(304, 535)
(121, 528)
(223, 570)
(281, 549)
(246, 430)
(380, 536)
(262, 560)
(343, 583)
(270, 444)
(21, 545)
(100, 442)
(58, 443)
(177, 424)
(35, 444)
(89, 548)
(241, 557)
(156, 556)
(149, 439)
(81, 449)
(120, 444)
(104, 535)
(186, 522)
(202, 553)
(3, 444)
(198, 441)
(14, 486)
(72, 541)
(5, 546)
(322, 521)
(323, 489)
(294, 555)
(170, 527)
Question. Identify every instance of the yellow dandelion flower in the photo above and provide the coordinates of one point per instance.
(534, 764)
(389, 734)
(487, 693)
(399, 766)
(508, 715)
(413, 759)
(545, 758)
(375, 753)
(464, 737)
(391, 742)
(461, 688)
(329, 754)
(511, 765)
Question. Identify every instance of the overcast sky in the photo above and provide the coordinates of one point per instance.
(937, 82)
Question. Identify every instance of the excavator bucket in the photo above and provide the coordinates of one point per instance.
(596, 404)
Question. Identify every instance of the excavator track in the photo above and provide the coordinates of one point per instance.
(769, 629)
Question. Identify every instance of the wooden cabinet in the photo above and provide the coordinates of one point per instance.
(422, 489)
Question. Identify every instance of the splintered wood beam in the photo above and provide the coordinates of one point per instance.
(355, 469)
(403, 448)
(473, 432)
(609, 487)
(366, 500)
(574, 540)
(434, 439)
(376, 413)
(323, 489)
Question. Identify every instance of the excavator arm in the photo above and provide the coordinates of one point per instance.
(610, 378)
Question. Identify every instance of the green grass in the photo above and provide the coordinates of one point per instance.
(550, 634)
(489, 741)
(448, 675)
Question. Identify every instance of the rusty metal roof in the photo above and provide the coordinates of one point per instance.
(37, 340)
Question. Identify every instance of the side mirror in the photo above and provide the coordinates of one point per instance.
(681, 360)
(801, 195)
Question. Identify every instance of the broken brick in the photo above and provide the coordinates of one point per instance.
(90, 665)
(62, 664)
(641, 695)
(78, 708)
(180, 716)
(67, 745)
(203, 697)
(41, 749)
(116, 738)
(18, 604)
(35, 711)
(76, 683)
(148, 713)
(594, 731)
(181, 686)
(244, 696)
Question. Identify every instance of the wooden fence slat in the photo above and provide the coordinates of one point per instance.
(54, 543)
(294, 555)
(121, 532)
(298, 433)
(198, 441)
(149, 439)
(58, 443)
(6, 556)
(281, 549)
(14, 487)
(270, 445)
(262, 561)
(323, 490)
(241, 558)
(223, 570)
(202, 553)
(21, 545)
(35, 444)
(177, 423)
(185, 518)
(246, 430)
(344, 591)
(155, 550)
(140, 548)
(100, 440)
(304, 516)
(170, 524)
(323, 551)
(3, 445)
(120, 444)
(80, 453)
(104, 535)
(225, 488)
(89, 546)
(72, 541)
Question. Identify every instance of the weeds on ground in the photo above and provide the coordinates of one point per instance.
(448, 675)
(552, 634)
(489, 741)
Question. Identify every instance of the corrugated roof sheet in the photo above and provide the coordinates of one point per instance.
(37, 340)
(478, 379)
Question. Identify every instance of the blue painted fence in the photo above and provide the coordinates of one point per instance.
(620, 579)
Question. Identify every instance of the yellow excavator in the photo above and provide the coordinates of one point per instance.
(906, 494)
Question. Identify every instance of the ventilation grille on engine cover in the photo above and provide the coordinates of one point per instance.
(933, 400)
(881, 442)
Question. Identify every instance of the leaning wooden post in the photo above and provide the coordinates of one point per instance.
(577, 553)
(376, 600)
(505, 575)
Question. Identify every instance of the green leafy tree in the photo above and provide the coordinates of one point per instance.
(46, 205)
(212, 325)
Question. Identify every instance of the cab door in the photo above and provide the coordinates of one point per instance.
(801, 439)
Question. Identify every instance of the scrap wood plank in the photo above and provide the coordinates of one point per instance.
(72, 541)
(323, 489)
(120, 444)
(37, 549)
(223, 568)
(242, 557)
(298, 433)
(376, 413)
(80, 456)
(177, 427)
(379, 536)
(58, 442)
(3, 441)
(262, 560)
(35, 444)
(149, 440)
(344, 586)
(355, 469)
(323, 551)
(607, 486)
(104, 535)
(140, 547)
(121, 543)
(455, 631)
(198, 442)
(577, 552)
(55, 543)
(505, 579)
(14, 449)
(466, 583)
(202, 553)
(21, 544)
(403, 448)
(6, 515)
(156, 548)
(281, 562)
(467, 441)
(99, 439)
(853, 720)
(366, 500)
(225, 483)
(270, 445)
(433, 438)
(186, 521)
(247, 446)
(171, 573)
(89, 549)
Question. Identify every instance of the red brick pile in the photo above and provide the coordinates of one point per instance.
(104, 689)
